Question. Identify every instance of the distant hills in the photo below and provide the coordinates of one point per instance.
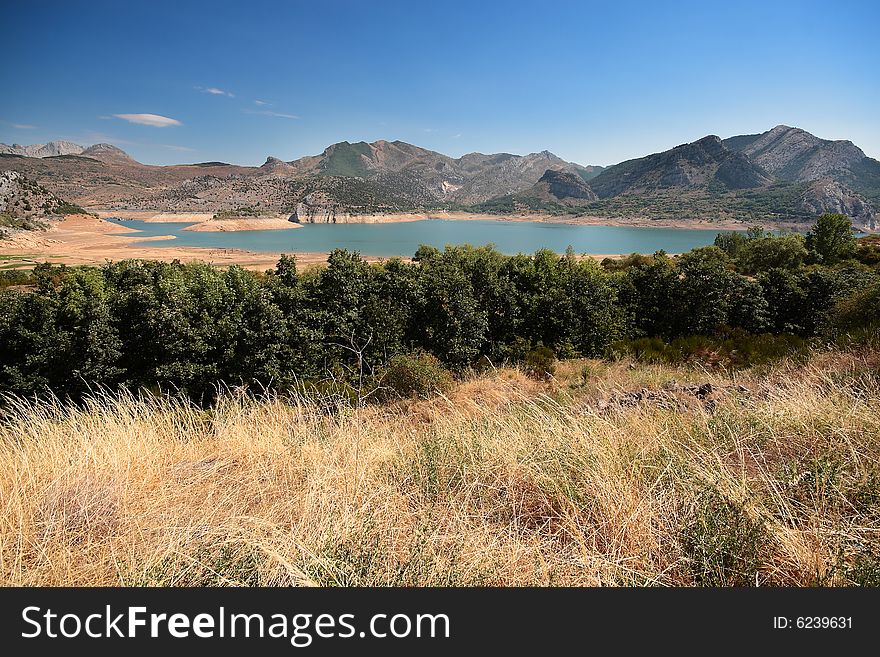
(102, 152)
(51, 149)
(783, 175)
(703, 163)
(472, 178)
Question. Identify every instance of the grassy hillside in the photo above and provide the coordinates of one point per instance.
(610, 473)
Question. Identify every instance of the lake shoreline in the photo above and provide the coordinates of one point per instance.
(83, 239)
(206, 221)
(89, 240)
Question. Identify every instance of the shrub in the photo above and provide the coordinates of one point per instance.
(858, 311)
(246, 211)
(769, 252)
(868, 250)
(540, 362)
(70, 208)
(14, 277)
(721, 543)
(418, 374)
(627, 262)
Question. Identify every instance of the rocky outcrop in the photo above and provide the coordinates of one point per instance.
(830, 196)
(737, 171)
(564, 185)
(305, 213)
(273, 165)
(22, 197)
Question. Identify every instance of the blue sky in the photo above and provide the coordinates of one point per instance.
(594, 82)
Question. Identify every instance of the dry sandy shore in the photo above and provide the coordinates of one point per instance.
(84, 240)
(204, 221)
(233, 225)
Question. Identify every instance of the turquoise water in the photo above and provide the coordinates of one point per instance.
(402, 239)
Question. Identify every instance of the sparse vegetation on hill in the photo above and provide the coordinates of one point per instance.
(237, 212)
(25, 205)
(10, 223)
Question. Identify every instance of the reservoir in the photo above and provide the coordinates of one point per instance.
(404, 238)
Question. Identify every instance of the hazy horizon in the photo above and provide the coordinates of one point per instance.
(596, 85)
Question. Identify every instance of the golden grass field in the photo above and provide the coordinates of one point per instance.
(611, 474)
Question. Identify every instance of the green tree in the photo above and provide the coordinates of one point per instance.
(701, 299)
(337, 295)
(451, 323)
(787, 295)
(831, 239)
(648, 293)
(771, 252)
(88, 347)
(391, 305)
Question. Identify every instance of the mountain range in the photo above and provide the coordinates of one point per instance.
(103, 152)
(783, 175)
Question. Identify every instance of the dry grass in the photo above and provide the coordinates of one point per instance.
(771, 478)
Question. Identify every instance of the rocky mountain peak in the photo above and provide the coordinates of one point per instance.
(796, 155)
(108, 153)
(275, 165)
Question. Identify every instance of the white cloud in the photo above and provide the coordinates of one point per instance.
(23, 126)
(155, 120)
(214, 91)
(181, 149)
(280, 115)
(456, 136)
(260, 102)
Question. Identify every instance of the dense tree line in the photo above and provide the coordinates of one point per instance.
(189, 326)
